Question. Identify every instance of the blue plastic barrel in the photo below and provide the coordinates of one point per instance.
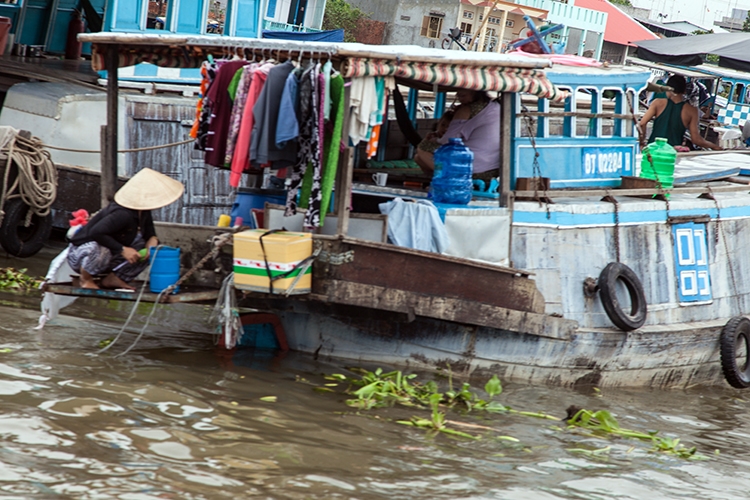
(452, 182)
(165, 268)
(249, 198)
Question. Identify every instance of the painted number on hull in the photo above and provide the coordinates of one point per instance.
(607, 162)
(691, 262)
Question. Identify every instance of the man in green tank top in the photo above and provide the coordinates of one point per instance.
(673, 115)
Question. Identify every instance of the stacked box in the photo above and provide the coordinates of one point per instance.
(284, 252)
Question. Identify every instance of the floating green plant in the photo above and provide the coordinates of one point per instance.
(378, 389)
(603, 422)
(16, 279)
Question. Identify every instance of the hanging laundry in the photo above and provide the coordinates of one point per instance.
(331, 145)
(308, 140)
(221, 110)
(287, 124)
(240, 98)
(372, 142)
(241, 158)
(327, 68)
(364, 102)
(263, 149)
(311, 195)
(199, 131)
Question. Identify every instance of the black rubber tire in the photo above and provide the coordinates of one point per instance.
(19, 240)
(736, 328)
(607, 283)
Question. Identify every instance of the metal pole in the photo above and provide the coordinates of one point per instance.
(109, 167)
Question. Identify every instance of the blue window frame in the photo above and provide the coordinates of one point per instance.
(691, 262)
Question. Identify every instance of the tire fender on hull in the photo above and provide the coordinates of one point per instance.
(18, 239)
(734, 335)
(625, 320)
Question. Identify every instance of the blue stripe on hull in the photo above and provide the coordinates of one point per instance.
(658, 215)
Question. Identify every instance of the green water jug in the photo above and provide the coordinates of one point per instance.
(661, 166)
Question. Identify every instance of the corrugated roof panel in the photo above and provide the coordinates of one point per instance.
(621, 28)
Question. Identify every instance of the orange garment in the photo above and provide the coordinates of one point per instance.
(372, 144)
(199, 106)
(241, 158)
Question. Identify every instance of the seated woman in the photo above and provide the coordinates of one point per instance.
(110, 242)
(477, 123)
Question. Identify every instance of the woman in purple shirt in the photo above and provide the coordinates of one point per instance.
(477, 123)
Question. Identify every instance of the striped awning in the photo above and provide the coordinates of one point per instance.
(495, 78)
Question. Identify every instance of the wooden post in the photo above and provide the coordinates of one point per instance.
(104, 159)
(346, 170)
(506, 143)
(109, 147)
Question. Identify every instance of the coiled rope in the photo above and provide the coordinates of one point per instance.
(36, 179)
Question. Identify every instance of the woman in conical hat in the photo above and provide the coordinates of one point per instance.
(108, 245)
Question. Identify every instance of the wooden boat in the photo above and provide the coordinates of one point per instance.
(576, 274)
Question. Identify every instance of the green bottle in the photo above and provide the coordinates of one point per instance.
(661, 166)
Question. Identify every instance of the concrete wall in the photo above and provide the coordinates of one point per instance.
(405, 20)
(614, 52)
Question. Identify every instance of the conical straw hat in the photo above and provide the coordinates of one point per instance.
(149, 190)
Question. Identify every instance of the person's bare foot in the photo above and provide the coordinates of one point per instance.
(87, 281)
(113, 281)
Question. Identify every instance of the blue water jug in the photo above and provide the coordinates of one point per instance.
(165, 268)
(451, 181)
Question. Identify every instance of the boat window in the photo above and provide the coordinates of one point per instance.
(629, 108)
(724, 89)
(588, 102)
(217, 12)
(739, 89)
(157, 14)
(612, 103)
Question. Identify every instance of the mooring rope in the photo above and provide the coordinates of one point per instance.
(131, 150)
(216, 243)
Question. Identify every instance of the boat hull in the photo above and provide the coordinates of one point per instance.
(656, 357)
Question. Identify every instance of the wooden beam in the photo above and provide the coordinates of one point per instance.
(344, 174)
(109, 168)
(447, 309)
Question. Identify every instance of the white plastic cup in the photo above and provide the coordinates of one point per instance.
(381, 178)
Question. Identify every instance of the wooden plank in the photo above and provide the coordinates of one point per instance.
(400, 268)
(69, 289)
(447, 309)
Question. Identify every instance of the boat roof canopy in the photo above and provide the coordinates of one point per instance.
(690, 72)
(733, 50)
(411, 65)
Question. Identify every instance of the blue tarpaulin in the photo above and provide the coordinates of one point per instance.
(318, 36)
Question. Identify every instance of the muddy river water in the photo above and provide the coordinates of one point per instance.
(180, 418)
